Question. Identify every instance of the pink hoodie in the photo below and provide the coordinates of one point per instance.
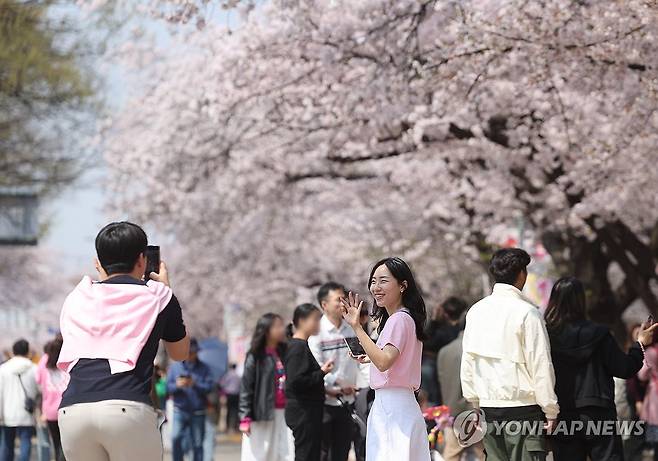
(53, 384)
(109, 321)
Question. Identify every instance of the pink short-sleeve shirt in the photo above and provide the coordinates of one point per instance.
(399, 331)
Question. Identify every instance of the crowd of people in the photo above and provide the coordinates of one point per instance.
(340, 376)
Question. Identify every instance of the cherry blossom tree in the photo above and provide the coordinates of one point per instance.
(319, 135)
(32, 294)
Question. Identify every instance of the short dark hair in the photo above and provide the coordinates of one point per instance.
(454, 307)
(21, 347)
(324, 290)
(118, 245)
(507, 264)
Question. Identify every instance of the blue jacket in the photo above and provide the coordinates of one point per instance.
(190, 399)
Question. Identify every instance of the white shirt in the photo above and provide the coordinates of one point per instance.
(329, 344)
(506, 358)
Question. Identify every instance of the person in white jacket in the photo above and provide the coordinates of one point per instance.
(506, 367)
(17, 384)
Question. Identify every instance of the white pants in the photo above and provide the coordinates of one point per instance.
(396, 428)
(269, 441)
(111, 430)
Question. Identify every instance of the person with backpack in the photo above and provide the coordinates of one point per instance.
(18, 391)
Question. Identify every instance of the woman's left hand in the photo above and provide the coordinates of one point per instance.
(352, 309)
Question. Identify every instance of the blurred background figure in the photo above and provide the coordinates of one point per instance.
(18, 391)
(230, 387)
(189, 383)
(586, 357)
(649, 409)
(329, 344)
(442, 329)
(262, 395)
(52, 382)
(305, 384)
(448, 365)
(160, 386)
(364, 394)
(629, 394)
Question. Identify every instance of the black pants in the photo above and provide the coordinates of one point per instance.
(581, 445)
(337, 430)
(305, 421)
(232, 404)
(53, 428)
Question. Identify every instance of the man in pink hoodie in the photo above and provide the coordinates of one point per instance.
(111, 330)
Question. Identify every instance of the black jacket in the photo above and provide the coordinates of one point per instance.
(585, 358)
(304, 377)
(257, 387)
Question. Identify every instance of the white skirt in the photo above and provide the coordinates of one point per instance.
(396, 428)
(269, 441)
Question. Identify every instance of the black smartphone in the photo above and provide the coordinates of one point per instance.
(650, 320)
(355, 347)
(152, 255)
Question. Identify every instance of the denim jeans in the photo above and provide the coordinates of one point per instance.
(9, 434)
(191, 426)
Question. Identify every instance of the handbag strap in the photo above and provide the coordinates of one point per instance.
(22, 385)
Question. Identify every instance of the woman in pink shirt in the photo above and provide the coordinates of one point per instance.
(396, 428)
(52, 382)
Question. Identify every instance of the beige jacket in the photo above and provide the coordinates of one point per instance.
(506, 358)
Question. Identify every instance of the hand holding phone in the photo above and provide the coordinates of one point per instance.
(647, 331)
(355, 347)
(152, 255)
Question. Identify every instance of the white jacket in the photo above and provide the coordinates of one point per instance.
(506, 358)
(12, 396)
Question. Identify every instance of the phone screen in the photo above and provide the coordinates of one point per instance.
(152, 254)
(355, 347)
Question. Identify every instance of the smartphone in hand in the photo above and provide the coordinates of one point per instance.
(355, 347)
(152, 255)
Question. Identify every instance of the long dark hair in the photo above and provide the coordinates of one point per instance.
(53, 348)
(411, 297)
(566, 304)
(259, 338)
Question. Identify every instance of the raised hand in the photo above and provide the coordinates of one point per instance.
(352, 309)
